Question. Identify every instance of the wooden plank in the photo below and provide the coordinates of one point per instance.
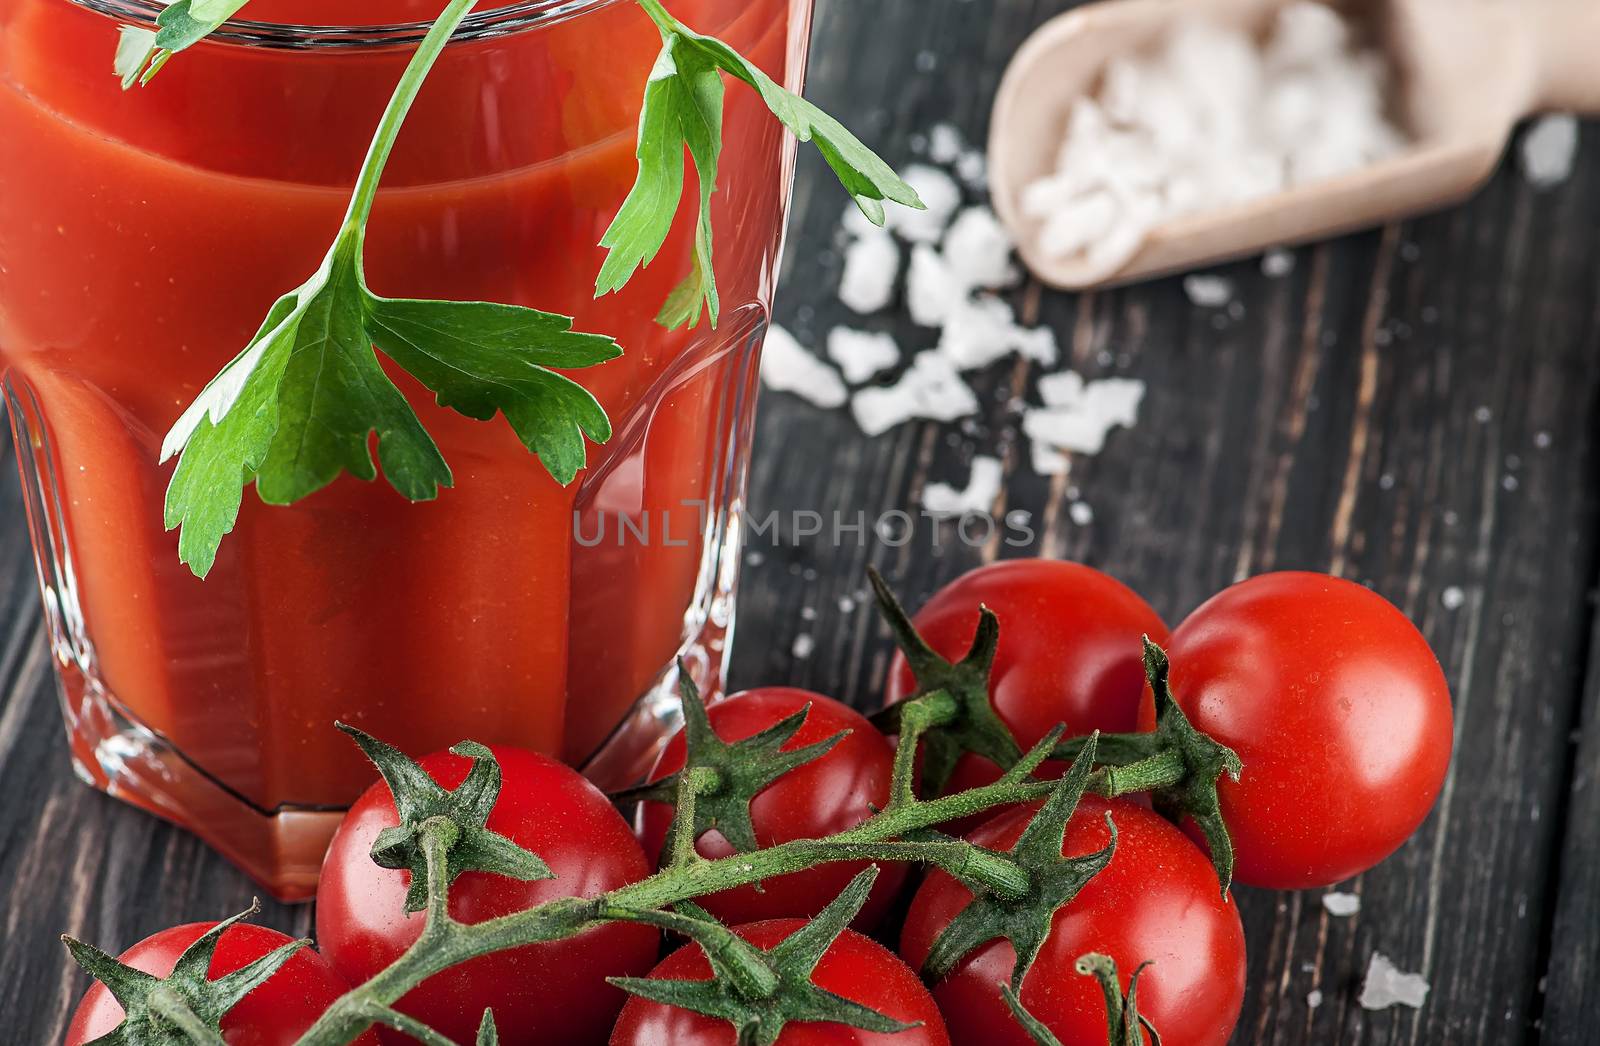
(1571, 991)
(1433, 353)
(1412, 408)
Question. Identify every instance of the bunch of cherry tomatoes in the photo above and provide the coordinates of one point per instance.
(1331, 698)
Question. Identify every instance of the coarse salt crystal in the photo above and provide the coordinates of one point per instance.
(977, 249)
(1313, 998)
(931, 389)
(1341, 904)
(1206, 119)
(1081, 513)
(1062, 389)
(1048, 461)
(1080, 422)
(945, 144)
(861, 355)
(979, 331)
(941, 196)
(1386, 985)
(1453, 597)
(931, 288)
(804, 646)
(979, 494)
(1208, 292)
(1548, 149)
(871, 269)
(1277, 263)
(786, 367)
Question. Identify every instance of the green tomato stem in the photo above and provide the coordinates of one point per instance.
(174, 1010)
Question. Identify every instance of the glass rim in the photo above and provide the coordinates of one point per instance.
(515, 17)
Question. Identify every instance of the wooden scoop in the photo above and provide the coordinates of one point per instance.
(1467, 71)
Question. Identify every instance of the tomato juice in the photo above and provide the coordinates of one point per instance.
(144, 233)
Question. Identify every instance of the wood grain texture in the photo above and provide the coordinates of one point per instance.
(1417, 408)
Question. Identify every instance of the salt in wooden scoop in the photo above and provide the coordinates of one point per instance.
(1467, 71)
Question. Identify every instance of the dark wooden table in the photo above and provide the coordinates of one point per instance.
(1417, 407)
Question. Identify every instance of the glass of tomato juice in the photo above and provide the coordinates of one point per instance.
(144, 233)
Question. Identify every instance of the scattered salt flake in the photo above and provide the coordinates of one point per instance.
(871, 269)
(1548, 149)
(786, 367)
(930, 389)
(977, 249)
(804, 646)
(1208, 292)
(982, 488)
(1341, 904)
(945, 144)
(931, 288)
(1081, 513)
(1453, 598)
(1048, 461)
(861, 355)
(939, 193)
(1061, 389)
(979, 331)
(1386, 985)
(1277, 263)
(1313, 998)
(972, 167)
(1081, 422)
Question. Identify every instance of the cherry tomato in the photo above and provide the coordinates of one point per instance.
(276, 1013)
(542, 993)
(1338, 710)
(825, 796)
(1158, 900)
(856, 967)
(1069, 651)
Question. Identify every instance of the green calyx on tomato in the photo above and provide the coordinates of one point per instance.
(1124, 1024)
(965, 719)
(424, 806)
(186, 1006)
(759, 991)
(719, 779)
(1185, 762)
(1053, 881)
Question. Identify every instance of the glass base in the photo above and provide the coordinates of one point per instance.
(282, 848)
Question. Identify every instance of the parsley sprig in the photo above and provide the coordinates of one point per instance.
(141, 53)
(301, 403)
(683, 106)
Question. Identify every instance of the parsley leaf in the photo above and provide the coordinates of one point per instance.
(482, 359)
(682, 106)
(300, 404)
(141, 53)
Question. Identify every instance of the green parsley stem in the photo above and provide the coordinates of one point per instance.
(394, 114)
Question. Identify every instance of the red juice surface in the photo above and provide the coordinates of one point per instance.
(143, 234)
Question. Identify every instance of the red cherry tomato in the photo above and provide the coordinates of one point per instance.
(542, 993)
(856, 967)
(1158, 900)
(276, 1013)
(1338, 710)
(825, 796)
(1069, 651)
